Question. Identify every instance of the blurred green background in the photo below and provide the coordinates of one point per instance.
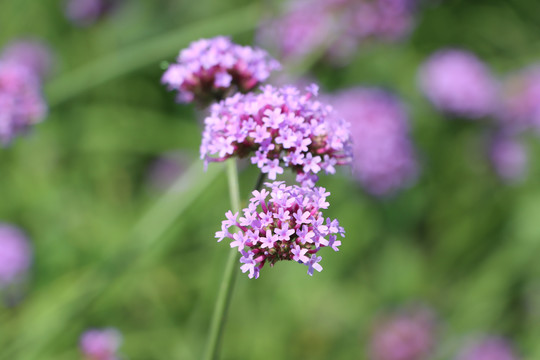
(111, 250)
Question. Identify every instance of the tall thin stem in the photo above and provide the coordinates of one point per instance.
(260, 181)
(227, 284)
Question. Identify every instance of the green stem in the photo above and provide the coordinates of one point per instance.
(227, 284)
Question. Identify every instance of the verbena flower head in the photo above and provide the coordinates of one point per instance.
(404, 336)
(278, 128)
(384, 158)
(339, 25)
(87, 12)
(521, 101)
(101, 344)
(458, 83)
(489, 348)
(285, 223)
(167, 168)
(210, 69)
(21, 102)
(15, 255)
(304, 27)
(33, 54)
(383, 19)
(508, 157)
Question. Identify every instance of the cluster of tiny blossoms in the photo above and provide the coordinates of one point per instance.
(15, 255)
(384, 157)
(339, 25)
(211, 69)
(459, 83)
(284, 223)
(488, 348)
(21, 102)
(279, 127)
(100, 344)
(508, 156)
(520, 109)
(87, 12)
(31, 53)
(408, 335)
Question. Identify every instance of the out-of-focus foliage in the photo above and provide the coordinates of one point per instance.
(459, 241)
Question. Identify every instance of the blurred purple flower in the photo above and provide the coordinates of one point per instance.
(278, 128)
(21, 102)
(302, 29)
(489, 348)
(407, 335)
(101, 344)
(33, 54)
(521, 101)
(383, 155)
(383, 19)
(15, 255)
(458, 83)
(288, 225)
(87, 12)
(166, 169)
(508, 156)
(211, 69)
(340, 25)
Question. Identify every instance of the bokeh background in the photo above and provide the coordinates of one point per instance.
(115, 246)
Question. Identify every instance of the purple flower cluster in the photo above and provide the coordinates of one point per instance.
(405, 336)
(167, 168)
(387, 20)
(508, 157)
(458, 83)
(15, 255)
(341, 25)
(521, 101)
(21, 100)
(306, 26)
(284, 223)
(489, 348)
(278, 128)
(383, 155)
(33, 54)
(87, 12)
(101, 344)
(211, 69)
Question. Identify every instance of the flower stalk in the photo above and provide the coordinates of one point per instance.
(227, 284)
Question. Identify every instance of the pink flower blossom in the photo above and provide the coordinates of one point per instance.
(321, 139)
(282, 237)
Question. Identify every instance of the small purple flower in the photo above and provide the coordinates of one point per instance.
(458, 83)
(313, 264)
(383, 156)
(15, 255)
(33, 54)
(87, 12)
(164, 170)
(520, 108)
(407, 335)
(211, 69)
(508, 157)
(21, 102)
(275, 236)
(320, 137)
(488, 348)
(101, 344)
(304, 27)
(340, 26)
(378, 20)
